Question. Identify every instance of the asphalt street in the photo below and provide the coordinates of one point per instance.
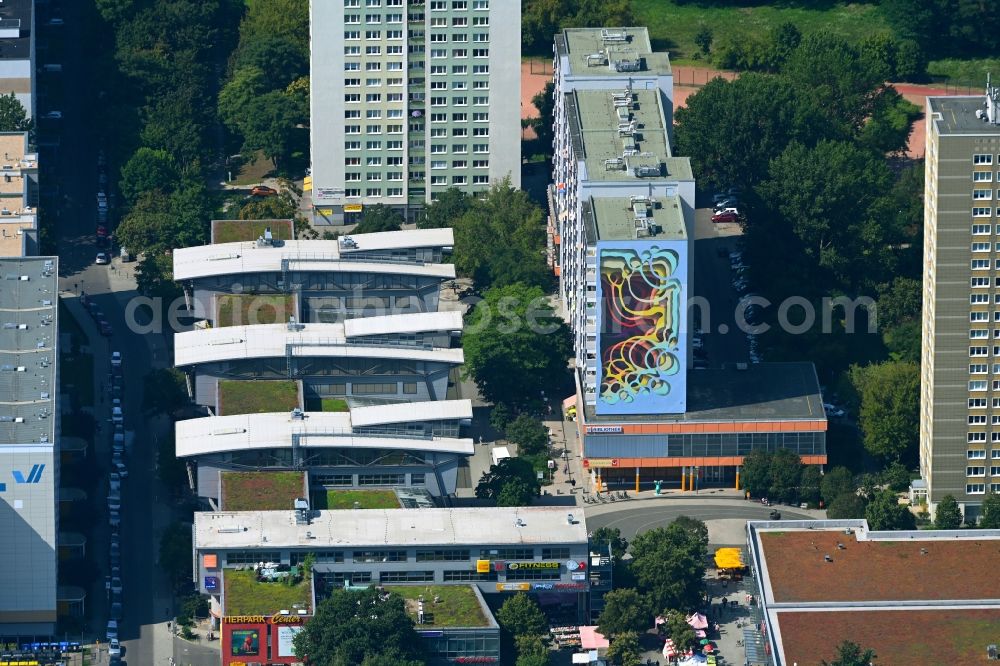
(725, 518)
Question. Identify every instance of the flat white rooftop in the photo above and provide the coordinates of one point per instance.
(315, 255)
(241, 432)
(480, 526)
(209, 345)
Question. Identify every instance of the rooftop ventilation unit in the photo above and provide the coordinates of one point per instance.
(267, 240)
(628, 65)
(614, 36)
(597, 59)
(626, 129)
(992, 102)
(646, 171)
(348, 243)
(614, 164)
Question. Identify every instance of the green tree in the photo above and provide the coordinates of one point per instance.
(284, 19)
(679, 630)
(809, 484)
(846, 506)
(948, 515)
(350, 625)
(113, 11)
(278, 55)
(733, 129)
(755, 474)
(13, 117)
(449, 205)
(498, 241)
(271, 125)
(390, 658)
(824, 193)
(147, 170)
(899, 301)
(696, 528)
(613, 537)
(175, 552)
(851, 654)
(529, 433)
(515, 346)
(625, 650)
(493, 481)
(236, 96)
(280, 207)
(990, 512)
(517, 492)
(887, 130)
(884, 512)
(531, 651)
(896, 476)
(890, 408)
(164, 390)
(703, 38)
(669, 564)
(379, 218)
(624, 610)
(544, 101)
(838, 481)
(540, 19)
(785, 38)
(786, 475)
(520, 616)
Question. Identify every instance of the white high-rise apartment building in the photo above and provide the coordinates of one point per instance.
(410, 98)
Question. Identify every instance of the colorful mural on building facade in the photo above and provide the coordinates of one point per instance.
(641, 347)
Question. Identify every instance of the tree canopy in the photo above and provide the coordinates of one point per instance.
(529, 433)
(776, 475)
(624, 610)
(515, 346)
(540, 19)
(13, 117)
(948, 515)
(890, 408)
(379, 218)
(350, 626)
(148, 169)
(668, 564)
(838, 481)
(990, 512)
(449, 205)
(505, 472)
(852, 654)
(884, 512)
(521, 616)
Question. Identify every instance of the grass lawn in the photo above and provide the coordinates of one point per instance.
(251, 309)
(245, 596)
(326, 405)
(231, 231)
(257, 397)
(261, 491)
(673, 27)
(252, 173)
(457, 605)
(345, 499)
(971, 73)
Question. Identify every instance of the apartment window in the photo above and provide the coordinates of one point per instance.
(459, 4)
(481, 101)
(438, 5)
(459, 22)
(480, 4)
(978, 351)
(352, 3)
(978, 419)
(352, 145)
(352, 176)
(979, 316)
(379, 556)
(976, 437)
(352, 35)
(459, 37)
(460, 132)
(439, 117)
(373, 50)
(373, 19)
(480, 37)
(373, 34)
(982, 159)
(480, 180)
(480, 53)
(460, 148)
(459, 53)
(459, 85)
(976, 454)
(394, 66)
(975, 488)
(394, 145)
(352, 50)
(980, 247)
(995, 437)
(443, 555)
(982, 195)
(352, 129)
(481, 164)
(480, 69)
(374, 192)
(977, 403)
(393, 18)
(481, 117)
(394, 192)
(394, 34)
(981, 282)
(352, 161)
(373, 3)
(374, 161)
(977, 385)
(439, 85)
(480, 148)
(975, 471)
(982, 176)
(373, 177)
(459, 164)
(480, 131)
(480, 20)
(352, 66)
(381, 479)
(439, 164)
(394, 113)
(459, 180)
(980, 230)
(459, 117)
(394, 97)
(980, 264)
(975, 299)
(480, 85)
(439, 180)
(352, 192)
(373, 145)
(974, 369)
(373, 83)
(460, 70)
(981, 212)
(438, 38)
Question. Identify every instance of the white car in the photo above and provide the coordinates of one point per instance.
(118, 443)
(116, 358)
(834, 411)
(120, 469)
(112, 632)
(116, 415)
(114, 648)
(101, 259)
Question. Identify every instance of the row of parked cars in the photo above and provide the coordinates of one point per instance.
(752, 312)
(119, 472)
(725, 206)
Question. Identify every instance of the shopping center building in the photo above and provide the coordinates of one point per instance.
(912, 597)
(481, 554)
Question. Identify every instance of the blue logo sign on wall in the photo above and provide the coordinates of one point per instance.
(34, 476)
(211, 583)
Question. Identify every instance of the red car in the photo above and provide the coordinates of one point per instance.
(725, 216)
(263, 191)
(102, 231)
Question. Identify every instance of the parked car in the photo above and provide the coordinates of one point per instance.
(114, 503)
(112, 632)
(700, 364)
(834, 411)
(116, 584)
(116, 359)
(116, 460)
(725, 203)
(116, 611)
(102, 231)
(116, 558)
(105, 327)
(116, 415)
(120, 469)
(118, 443)
(263, 191)
(114, 647)
(101, 259)
(726, 216)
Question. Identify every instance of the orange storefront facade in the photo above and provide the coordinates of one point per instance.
(689, 455)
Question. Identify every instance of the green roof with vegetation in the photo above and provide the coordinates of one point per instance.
(261, 491)
(257, 397)
(444, 605)
(249, 309)
(345, 499)
(326, 405)
(230, 231)
(246, 596)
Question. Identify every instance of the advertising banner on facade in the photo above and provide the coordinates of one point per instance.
(286, 635)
